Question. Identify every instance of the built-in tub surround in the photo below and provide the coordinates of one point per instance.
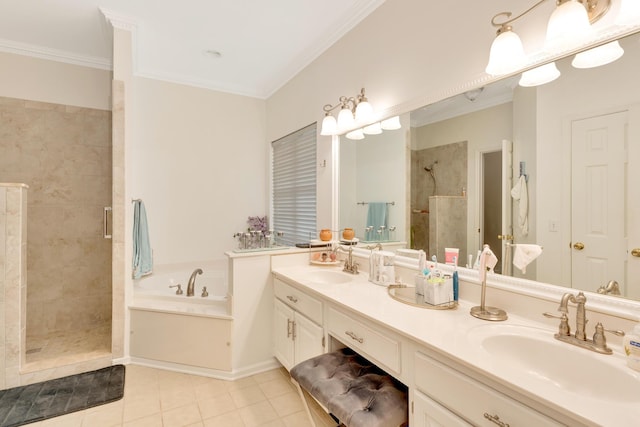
(454, 338)
(196, 330)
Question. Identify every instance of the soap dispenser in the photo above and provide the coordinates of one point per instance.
(632, 348)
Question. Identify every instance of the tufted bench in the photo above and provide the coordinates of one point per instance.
(352, 389)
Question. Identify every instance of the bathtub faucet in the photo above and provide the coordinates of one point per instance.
(192, 282)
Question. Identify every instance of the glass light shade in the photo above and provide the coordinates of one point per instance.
(329, 125)
(629, 13)
(391, 123)
(506, 54)
(355, 135)
(364, 113)
(374, 129)
(598, 56)
(567, 27)
(540, 75)
(345, 120)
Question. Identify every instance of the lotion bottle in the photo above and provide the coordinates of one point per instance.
(632, 347)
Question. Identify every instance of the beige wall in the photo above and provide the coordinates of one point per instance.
(36, 79)
(199, 162)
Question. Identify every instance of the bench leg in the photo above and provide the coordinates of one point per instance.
(304, 402)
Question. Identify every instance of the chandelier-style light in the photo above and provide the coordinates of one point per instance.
(354, 118)
(569, 25)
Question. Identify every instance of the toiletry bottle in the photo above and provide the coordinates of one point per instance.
(632, 348)
(455, 279)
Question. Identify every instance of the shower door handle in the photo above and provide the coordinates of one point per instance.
(106, 222)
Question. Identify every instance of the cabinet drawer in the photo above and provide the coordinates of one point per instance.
(358, 336)
(301, 302)
(471, 399)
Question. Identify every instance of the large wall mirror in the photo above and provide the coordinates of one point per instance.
(451, 170)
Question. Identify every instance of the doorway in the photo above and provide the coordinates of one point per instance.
(491, 202)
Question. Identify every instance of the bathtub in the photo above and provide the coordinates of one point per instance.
(153, 292)
(176, 332)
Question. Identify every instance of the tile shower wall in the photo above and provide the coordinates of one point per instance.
(451, 177)
(13, 252)
(64, 154)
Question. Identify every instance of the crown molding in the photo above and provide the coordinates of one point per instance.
(119, 21)
(41, 52)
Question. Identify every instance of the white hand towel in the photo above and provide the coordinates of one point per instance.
(488, 261)
(519, 192)
(524, 255)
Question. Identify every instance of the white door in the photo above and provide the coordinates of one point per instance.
(308, 339)
(632, 281)
(283, 334)
(507, 221)
(598, 220)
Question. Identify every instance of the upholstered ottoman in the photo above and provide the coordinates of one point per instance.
(352, 389)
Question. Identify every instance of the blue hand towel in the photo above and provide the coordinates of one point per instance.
(377, 215)
(142, 256)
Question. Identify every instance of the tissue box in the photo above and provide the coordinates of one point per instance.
(438, 290)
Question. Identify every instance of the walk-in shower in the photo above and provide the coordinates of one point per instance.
(63, 154)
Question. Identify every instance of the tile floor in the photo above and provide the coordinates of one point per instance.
(159, 398)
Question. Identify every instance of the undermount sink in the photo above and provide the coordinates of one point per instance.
(328, 277)
(535, 353)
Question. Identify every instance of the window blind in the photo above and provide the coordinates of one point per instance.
(294, 185)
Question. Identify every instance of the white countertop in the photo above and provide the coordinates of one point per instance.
(452, 333)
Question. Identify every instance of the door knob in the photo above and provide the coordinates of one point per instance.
(578, 245)
(635, 252)
(505, 237)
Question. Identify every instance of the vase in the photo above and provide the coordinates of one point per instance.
(325, 235)
(348, 234)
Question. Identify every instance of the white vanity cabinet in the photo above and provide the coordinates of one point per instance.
(297, 325)
(374, 343)
(429, 413)
(444, 396)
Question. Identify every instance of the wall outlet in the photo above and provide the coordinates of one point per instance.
(554, 226)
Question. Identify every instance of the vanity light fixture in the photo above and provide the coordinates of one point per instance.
(392, 123)
(629, 12)
(540, 75)
(354, 111)
(568, 26)
(354, 118)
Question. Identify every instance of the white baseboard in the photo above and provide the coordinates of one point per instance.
(206, 372)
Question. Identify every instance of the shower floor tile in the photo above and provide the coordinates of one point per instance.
(64, 348)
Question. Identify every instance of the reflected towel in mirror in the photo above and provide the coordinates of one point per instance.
(519, 192)
(524, 254)
(378, 215)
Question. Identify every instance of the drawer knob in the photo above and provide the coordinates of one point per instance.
(292, 299)
(354, 336)
(496, 420)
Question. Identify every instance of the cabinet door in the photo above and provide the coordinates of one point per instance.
(283, 318)
(308, 338)
(429, 413)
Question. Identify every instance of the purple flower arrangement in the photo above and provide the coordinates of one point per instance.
(258, 223)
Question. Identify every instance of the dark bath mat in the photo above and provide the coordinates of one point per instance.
(48, 399)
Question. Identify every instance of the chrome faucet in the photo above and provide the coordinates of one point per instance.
(611, 288)
(598, 343)
(349, 265)
(192, 282)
